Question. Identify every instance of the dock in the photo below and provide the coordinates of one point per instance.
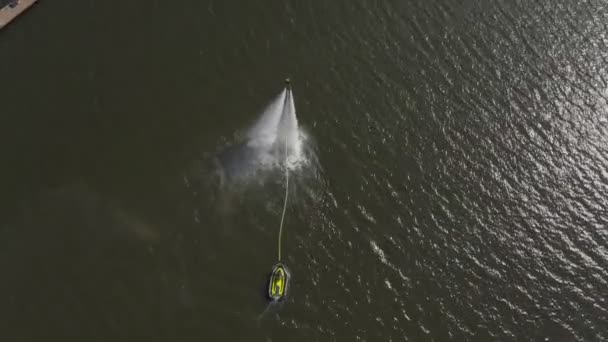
(11, 9)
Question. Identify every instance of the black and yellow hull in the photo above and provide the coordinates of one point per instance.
(278, 282)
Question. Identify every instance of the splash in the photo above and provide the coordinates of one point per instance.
(273, 141)
(292, 136)
(277, 130)
(264, 132)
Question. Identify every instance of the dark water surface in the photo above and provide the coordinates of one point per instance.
(460, 190)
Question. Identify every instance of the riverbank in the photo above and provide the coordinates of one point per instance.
(8, 13)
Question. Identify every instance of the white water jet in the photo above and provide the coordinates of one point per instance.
(272, 141)
(264, 132)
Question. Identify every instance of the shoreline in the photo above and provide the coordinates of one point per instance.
(8, 13)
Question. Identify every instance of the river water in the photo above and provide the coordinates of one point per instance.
(456, 185)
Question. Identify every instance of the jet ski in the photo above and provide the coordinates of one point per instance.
(278, 282)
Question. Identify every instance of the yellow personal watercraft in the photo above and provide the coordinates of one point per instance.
(278, 282)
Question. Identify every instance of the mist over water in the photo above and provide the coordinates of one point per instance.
(274, 141)
(265, 132)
